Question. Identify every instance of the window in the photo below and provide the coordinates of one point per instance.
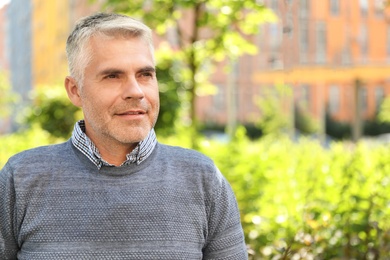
(321, 42)
(219, 98)
(379, 8)
(364, 41)
(334, 99)
(303, 40)
(379, 96)
(288, 26)
(303, 36)
(172, 37)
(388, 41)
(275, 38)
(346, 52)
(334, 7)
(274, 5)
(304, 97)
(363, 99)
(248, 97)
(304, 8)
(363, 7)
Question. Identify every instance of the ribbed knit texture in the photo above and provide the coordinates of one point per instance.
(56, 204)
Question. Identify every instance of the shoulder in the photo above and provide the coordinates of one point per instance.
(185, 156)
(190, 165)
(38, 156)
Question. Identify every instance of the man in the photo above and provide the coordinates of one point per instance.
(112, 191)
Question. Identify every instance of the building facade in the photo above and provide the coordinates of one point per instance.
(327, 51)
(334, 54)
(19, 16)
(3, 40)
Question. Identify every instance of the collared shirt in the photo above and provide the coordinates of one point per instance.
(82, 142)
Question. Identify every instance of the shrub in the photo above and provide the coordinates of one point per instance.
(17, 142)
(53, 111)
(302, 201)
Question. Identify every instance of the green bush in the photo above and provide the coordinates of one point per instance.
(337, 130)
(304, 201)
(304, 121)
(53, 111)
(17, 142)
(7, 97)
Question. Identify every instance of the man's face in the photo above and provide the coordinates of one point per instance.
(119, 96)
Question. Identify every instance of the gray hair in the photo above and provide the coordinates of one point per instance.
(109, 24)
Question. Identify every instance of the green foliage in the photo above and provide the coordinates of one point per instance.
(20, 141)
(380, 124)
(169, 87)
(304, 122)
(53, 111)
(274, 104)
(337, 130)
(7, 98)
(302, 201)
(384, 111)
(375, 127)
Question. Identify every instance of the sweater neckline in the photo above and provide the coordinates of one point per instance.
(114, 170)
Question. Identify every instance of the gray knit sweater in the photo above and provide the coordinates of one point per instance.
(55, 204)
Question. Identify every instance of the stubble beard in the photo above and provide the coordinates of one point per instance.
(122, 133)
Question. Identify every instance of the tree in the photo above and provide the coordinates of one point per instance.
(205, 32)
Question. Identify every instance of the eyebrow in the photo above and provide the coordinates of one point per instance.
(118, 71)
(147, 69)
(110, 71)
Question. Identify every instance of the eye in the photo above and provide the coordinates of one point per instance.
(111, 76)
(147, 74)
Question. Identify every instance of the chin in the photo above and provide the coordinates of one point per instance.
(132, 135)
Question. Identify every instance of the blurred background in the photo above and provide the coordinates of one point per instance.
(289, 97)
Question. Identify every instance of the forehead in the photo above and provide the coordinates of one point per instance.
(101, 41)
(107, 44)
(107, 52)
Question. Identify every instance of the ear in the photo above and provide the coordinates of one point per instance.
(72, 89)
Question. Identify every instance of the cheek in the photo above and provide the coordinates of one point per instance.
(99, 99)
(155, 101)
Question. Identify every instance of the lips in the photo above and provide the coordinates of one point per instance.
(131, 112)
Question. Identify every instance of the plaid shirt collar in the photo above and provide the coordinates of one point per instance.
(82, 142)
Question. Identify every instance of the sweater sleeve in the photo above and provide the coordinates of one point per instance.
(8, 243)
(225, 238)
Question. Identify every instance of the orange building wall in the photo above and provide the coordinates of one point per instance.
(52, 22)
(49, 37)
(343, 36)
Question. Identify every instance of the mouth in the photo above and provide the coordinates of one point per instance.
(131, 114)
(137, 112)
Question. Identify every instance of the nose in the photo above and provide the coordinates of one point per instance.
(132, 89)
